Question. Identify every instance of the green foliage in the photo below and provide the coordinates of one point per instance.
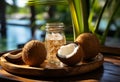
(84, 13)
(69, 37)
(110, 7)
(115, 9)
(47, 2)
(80, 12)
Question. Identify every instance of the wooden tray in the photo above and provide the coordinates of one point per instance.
(51, 72)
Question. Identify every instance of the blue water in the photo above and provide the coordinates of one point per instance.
(18, 34)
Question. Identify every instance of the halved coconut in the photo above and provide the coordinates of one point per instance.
(70, 54)
(13, 57)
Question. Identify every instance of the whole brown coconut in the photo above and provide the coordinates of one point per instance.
(90, 44)
(34, 53)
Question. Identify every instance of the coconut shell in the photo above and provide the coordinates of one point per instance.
(73, 60)
(34, 53)
(90, 44)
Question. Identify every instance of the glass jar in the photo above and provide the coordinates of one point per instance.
(53, 40)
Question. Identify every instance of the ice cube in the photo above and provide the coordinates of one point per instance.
(57, 36)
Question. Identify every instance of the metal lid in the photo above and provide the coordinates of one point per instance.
(54, 26)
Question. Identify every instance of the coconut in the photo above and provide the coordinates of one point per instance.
(70, 54)
(90, 44)
(34, 53)
(13, 57)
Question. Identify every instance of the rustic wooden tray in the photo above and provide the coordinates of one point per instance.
(51, 72)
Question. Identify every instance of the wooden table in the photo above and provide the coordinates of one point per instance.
(109, 72)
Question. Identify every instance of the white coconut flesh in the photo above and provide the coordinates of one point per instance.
(9, 55)
(68, 51)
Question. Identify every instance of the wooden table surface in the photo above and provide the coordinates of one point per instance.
(109, 72)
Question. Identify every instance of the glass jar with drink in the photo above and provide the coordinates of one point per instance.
(53, 40)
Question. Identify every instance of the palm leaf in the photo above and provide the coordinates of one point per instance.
(47, 2)
(100, 16)
(79, 14)
(116, 7)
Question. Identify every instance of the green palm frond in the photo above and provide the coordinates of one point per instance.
(115, 8)
(47, 2)
(79, 14)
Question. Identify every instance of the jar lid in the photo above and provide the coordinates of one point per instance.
(55, 26)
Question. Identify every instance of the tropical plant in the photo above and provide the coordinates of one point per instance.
(83, 13)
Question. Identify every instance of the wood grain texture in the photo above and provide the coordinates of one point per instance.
(52, 72)
(109, 50)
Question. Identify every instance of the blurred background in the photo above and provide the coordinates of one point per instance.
(20, 23)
